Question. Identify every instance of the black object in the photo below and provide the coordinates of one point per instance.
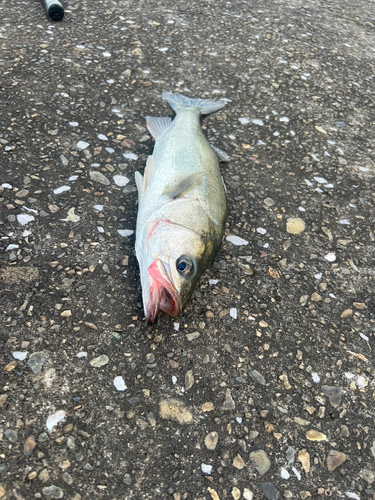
(54, 9)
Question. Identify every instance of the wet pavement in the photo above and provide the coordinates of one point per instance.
(264, 387)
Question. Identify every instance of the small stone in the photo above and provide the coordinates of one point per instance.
(88, 467)
(238, 462)
(359, 305)
(213, 494)
(54, 419)
(66, 314)
(313, 435)
(257, 377)
(52, 492)
(247, 494)
(172, 409)
(229, 404)
(269, 491)
(334, 395)
(315, 297)
(82, 145)
(43, 476)
(304, 458)
(99, 177)
(189, 380)
(22, 193)
(29, 446)
(67, 478)
(32, 475)
(11, 435)
(100, 361)
(346, 313)
(43, 437)
(119, 383)
(192, 336)
(70, 443)
(295, 226)
(261, 461)
(206, 469)
(127, 479)
(211, 440)
(10, 366)
(36, 361)
(208, 406)
(236, 493)
(335, 459)
(367, 475)
(284, 473)
(290, 455)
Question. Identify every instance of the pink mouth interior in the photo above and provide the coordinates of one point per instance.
(163, 295)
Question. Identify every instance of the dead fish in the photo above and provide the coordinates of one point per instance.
(181, 208)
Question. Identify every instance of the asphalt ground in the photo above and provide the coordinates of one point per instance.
(264, 387)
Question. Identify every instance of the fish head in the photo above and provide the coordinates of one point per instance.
(172, 258)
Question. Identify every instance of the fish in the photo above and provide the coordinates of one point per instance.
(181, 207)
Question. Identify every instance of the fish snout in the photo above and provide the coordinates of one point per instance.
(162, 295)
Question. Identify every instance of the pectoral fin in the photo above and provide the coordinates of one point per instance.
(175, 188)
(222, 155)
(142, 181)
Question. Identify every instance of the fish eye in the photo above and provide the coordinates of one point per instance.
(185, 266)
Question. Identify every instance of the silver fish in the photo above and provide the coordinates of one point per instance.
(181, 208)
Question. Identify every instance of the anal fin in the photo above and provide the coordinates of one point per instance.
(157, 125)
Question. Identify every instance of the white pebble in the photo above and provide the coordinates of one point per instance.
(258, 122)
(6, 185)
(315, 378)
(361, 382)
(344, 222)
(102, 137)
(297, 474)
(98, 207)
(19, 355)
(73, 124)
(206, 469)
(174, 380)
(364, 336)
(239, 420)
(284, 119)
(349, 375)
(25, 219)
(318, 276)
(82, 354)
(26, 233)
(276, 134)
(119, 383)
(176, 326)
(261, 230)
(82, 145)
(120, 180)
(321, 180)
(125, 232)
(329, 186)
(349, 494)
(106, 54)
(236, 240)
(331, 257)
(309, 183)
(301, 209)
(54, 419)
(61, 189)
(244, 120)
(213, 282)
(110, 150)
(73, 178)
(130, 156)
(284, 473)
(233, 312)
(11, 247)
(100, 229)
(163, 49)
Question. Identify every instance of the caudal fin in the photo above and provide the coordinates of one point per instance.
(206, 106)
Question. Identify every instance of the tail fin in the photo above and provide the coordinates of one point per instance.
(206, 106)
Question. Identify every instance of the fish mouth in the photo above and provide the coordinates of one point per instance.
(163, 296)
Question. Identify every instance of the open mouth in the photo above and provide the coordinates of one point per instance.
(163, 295)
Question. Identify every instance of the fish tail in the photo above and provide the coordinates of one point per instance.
(206, 106)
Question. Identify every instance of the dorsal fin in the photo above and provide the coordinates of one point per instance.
(157, 125)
